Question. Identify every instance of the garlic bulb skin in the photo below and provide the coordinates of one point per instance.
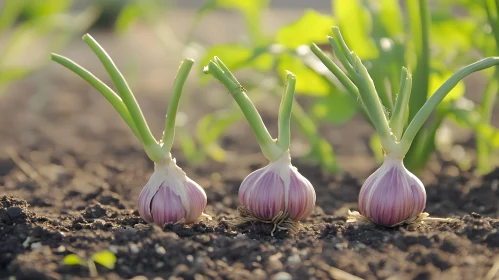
(392, 194)
(277, 187)
(171, 196)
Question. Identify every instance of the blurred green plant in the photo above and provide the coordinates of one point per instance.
(30, 29)
(267, 53)
(433, 41)
(104, 258)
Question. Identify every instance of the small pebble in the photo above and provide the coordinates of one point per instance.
(190, 258)
(36, 245)
(294, 259)
(133, 248)
(282, 276)
(113, 249)
(160, 250)
(60, 249)
(26, 242)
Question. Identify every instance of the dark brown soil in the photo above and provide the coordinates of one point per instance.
(71, 174)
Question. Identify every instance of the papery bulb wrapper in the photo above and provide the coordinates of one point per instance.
(392, 195)
(171, 196)
(277, 187)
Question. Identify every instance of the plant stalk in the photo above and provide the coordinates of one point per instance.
(284, 120)
(107, 92)
(171, 114)
(430, 105)
(398, 117)
(269, 148)
(151, 146)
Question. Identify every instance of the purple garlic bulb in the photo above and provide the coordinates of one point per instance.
(277, 187)
(392, 195)
(171, 196)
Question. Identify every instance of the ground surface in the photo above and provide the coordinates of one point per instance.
(71, 175)
(78, 192)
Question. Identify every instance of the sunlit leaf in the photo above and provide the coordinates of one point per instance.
(324, 152)
(491, 134)
(336, 108)
(11, 74)
(128, 15)
(216, 152)
(452, 37)
(105, 258)
(9, 13)
(189, 149)
(235, 57)
(312, 27)
(36, 8)
(73, 259)
(437, 79)
(245, 6)
(252, 11)
(355, 23)
(391, 17)
(307, 81)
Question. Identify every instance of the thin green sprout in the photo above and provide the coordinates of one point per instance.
(226, 70)
(178, 84)
(340, 75)
(425, 111)
(398, 117)
(284, 119)
(373, 104)
(393, 130)
(271, 150)
(107, 92)
(126, 104)
(342, 57)
(150, 144)
(343, 45)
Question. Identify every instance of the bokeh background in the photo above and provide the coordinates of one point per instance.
(260, 39)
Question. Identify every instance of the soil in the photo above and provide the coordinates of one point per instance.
(71, 174)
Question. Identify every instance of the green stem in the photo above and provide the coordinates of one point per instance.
(420, 25)
(398, 118)
(284, 120)
(269, 148)
(373, 104)
(309, 129)
(343, 50)
(151, 146)
(340, 75)
(343, 44)
(336, 70)
(108, 93)
(171, 114)
(342, 57)
(425, 111)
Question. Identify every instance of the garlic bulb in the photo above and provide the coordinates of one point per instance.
(277, 187)
(171, 196)
(392, 195)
